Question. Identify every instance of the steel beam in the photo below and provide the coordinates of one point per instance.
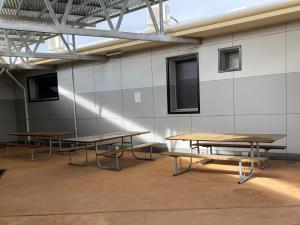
(65, 43)
(41, 20)
(67, 12)
(51, 11)
(123, 11)
(33, 27)
(77, 7)
(107, 17)
(18, 39)
(53, 56)
(1, 4)
(95, 12)
(161, 16)
(38, 43)
(19, 7)
(27, 66)
(152, 16)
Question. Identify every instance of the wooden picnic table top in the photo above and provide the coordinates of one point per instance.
(42, 133)
(219, 137)
(105, 137)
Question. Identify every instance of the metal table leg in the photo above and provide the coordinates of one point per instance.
(7, 152)
(84, 163)
(137, 157)
(242, 174)
(42, 157)
(267, 162)
(59, 142)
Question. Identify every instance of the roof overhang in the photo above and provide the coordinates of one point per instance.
(222, 25)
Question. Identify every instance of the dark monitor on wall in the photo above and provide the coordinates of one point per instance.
(43, 88)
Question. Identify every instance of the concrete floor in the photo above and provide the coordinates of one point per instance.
(50, 192)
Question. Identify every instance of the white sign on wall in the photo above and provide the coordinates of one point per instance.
(137, 97)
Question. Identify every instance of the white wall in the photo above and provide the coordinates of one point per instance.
(261, 98)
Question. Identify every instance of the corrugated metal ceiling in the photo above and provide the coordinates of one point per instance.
(84, 13)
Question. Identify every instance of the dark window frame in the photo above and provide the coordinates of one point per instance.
(179, 58)
(222, 50)
(38, 77)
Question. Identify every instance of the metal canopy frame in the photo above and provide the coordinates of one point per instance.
(25, 24)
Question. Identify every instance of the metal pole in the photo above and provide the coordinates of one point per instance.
(161, 17)
(25, 98)
(74, 102)
(2, 71)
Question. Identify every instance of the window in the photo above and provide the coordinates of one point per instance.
(43, 88)
(183, 84)
(230, 59)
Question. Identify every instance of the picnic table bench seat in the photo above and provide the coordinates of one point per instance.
(207, 157)
(32, 147)
(117, 153)
(238, 145)
(15, 144)
(135, 147)
(75, 148)
(266, 147)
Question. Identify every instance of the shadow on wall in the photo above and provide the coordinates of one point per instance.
(110, 115)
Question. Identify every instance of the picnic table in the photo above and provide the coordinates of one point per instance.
(126, 144)
(196, 140)
(51, 136)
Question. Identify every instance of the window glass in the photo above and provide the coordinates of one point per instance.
(183, 84)
(43, 88)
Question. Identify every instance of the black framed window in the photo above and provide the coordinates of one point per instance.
(230, 59)
(43, 88)
(183, 84)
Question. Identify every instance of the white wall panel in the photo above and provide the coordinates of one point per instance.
(108, 76)
(64, 78)
(209, 63)
(84, 78)
(260, 95)
(293, 131)
(159, 62)
(216, 97)
(263, 55)
(262, 124)
(136, 72)
(216, 124)
(165, 127)
(293, 51)
(293, 93)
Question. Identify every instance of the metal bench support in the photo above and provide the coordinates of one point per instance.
(116, 157)
(114, 168)
(84, 163)
(137, 157)
(242, 174)
(176, 170)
